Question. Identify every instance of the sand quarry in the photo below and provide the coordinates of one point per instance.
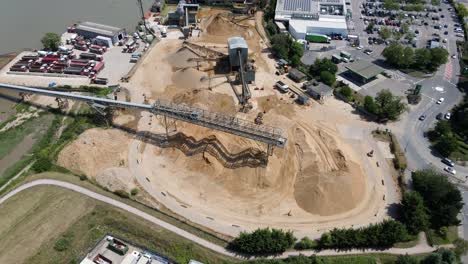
(322, 179)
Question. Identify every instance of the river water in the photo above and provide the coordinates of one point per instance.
(24, 22)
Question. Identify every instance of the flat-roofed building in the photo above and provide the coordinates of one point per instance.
(363, 71)
(92, 30)
(327, 17)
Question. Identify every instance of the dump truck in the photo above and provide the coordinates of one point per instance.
(317, 38)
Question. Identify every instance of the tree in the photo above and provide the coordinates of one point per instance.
(263, 241)
(370, 105)
(422, 58)
(414, 213)
(271, 28)
(384, 234)
(394, 53)
(406, 259)
(443, 128)
(321, 65)
(51, 41)
(439, 56)
(280, 45)
(385, 33)
(446, 145)
(441, 256)
(407, 58)
(461, 10)
(442, 199)
(327, 78)
(435, 2)
(389, 106)
(370, 27)
(391, 5)
(296, 48)
(346, 91)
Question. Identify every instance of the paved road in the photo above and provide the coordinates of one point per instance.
(422, 247)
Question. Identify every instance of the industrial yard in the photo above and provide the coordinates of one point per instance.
(319, 180)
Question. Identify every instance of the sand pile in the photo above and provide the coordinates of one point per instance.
(310, 174)
(204, 99)
(188, 79)
(180, 59)
(326, 183)
(94, 151)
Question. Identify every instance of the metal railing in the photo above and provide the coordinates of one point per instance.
(218, 121)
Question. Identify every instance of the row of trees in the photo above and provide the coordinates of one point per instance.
(409, 58)
(324, 70)
(441, 198)
(263, 241)
(386, 106)
(447, 133)
(384, 234)
(441, 256)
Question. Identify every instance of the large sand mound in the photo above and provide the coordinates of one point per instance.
(326, 183)
(94, 151)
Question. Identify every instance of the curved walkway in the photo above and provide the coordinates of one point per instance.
(422, 247)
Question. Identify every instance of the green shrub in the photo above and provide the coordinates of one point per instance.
(83, 178)
(42, 164)
(122, 193)
(63, 243)
(263, 241)
(134, 191)
(305, 243)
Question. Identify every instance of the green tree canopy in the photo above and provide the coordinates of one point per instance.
(439, 56)
(327, 78)
(406, 259)
(442, 198)
(414, 213)
(446, 144)
(461, 10)
(263, 241)
(422, 57)
(391, 5)
(51, 41)
(390, 106)
(385, 33)
(370, 106)
(321, 65)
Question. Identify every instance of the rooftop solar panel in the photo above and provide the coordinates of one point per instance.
(297, 5)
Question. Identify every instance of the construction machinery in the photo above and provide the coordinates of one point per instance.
(230, 124)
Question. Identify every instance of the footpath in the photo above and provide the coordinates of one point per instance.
(421, 247)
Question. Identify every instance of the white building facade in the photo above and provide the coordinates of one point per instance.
(327, 17)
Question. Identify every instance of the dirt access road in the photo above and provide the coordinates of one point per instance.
(422, 247)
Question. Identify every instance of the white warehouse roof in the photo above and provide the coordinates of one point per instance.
(300, 25)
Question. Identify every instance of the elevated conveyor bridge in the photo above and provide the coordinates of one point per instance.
(270, 135)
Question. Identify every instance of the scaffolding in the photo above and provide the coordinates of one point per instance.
(230, 124)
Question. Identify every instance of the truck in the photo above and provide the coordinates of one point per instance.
(282, 86)
(317, 38)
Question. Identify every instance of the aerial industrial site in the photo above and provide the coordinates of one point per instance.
(195, 124)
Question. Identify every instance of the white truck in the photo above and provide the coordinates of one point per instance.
(282, 86)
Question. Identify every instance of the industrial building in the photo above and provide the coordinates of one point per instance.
(318, 91)
(185, 13)
(92, 30)
(363, 71)
(305, 17)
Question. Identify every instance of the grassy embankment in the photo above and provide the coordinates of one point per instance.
(52, 225)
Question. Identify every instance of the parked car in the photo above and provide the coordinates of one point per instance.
(441, 100)
(282, 86)
(450, 170)
(422, 117)
(448, 115)
(439, 116)
(448, 162)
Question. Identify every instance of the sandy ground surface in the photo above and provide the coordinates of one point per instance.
(322, 179)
